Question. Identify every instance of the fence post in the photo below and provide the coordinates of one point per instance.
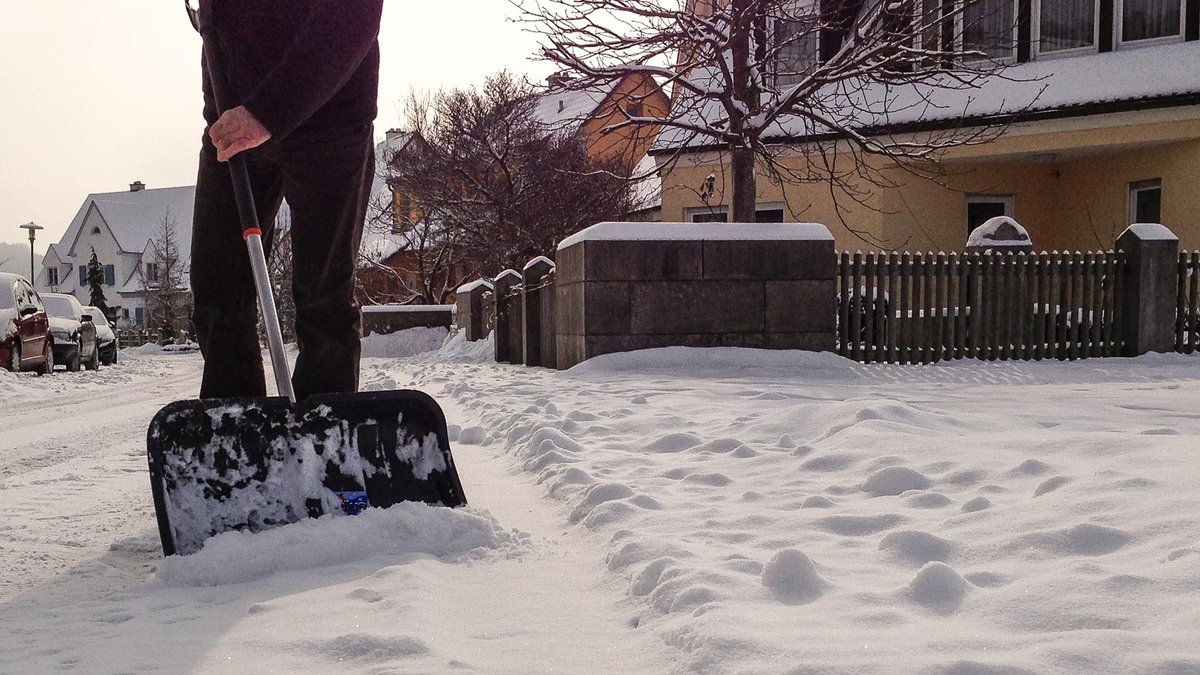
(470, 308)
(532, 297)
(1148, 298)
(505, 281)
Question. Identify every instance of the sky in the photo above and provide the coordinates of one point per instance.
(97, 95)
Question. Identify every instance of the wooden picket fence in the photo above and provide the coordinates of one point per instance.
(927, 307)
(1187, 307)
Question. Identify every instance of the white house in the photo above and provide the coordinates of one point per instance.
(121, 228)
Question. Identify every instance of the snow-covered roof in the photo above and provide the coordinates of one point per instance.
(136, 218)
(699, 232)
(1051, 84)
(562, 106)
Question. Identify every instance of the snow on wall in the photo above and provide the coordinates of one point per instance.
(699, 232)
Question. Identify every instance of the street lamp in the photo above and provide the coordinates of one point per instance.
(32, 234)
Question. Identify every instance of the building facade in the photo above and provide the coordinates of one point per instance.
(1099, 102)
(123, 228)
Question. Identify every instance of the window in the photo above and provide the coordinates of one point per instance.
(110, 275)
(83, 276)
(1150, 19)
(1145, 201)
(151, 271)
(1066, 24)
(796, 43)
(139, 315)
(96, 229)
(981, 208)
(989, 26)
(634, 109)
(768, 213)
(51, 276)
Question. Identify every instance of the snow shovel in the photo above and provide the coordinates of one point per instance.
(218, 465)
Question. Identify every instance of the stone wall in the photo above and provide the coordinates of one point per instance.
(384, 319)
(622, 287)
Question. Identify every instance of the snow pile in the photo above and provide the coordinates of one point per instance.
(998, 231)
(456, 349)
(408, 529)
(8, 323)
(404, 343)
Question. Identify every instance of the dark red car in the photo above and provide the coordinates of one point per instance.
(25, 339)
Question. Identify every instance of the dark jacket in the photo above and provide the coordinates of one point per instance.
(299, 63)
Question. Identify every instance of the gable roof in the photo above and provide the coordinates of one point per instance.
(562, 106)
(136, 218)
(1063, 86)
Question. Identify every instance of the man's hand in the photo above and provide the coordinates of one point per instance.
(237, 130)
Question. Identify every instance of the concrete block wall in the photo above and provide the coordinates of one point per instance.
(384, 319)
(628, 286)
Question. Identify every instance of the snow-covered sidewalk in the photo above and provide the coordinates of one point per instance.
(664, 511)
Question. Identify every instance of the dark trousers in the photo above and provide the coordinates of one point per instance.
(326, 177)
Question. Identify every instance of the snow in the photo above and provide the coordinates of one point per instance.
(468, 287)
(999, 231)
(674, 510)
(1040, 85)
(405, 342)
(633, 231)
(540, 259)
(408, 308)
(1152, 231)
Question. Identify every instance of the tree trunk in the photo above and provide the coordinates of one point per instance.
(745, 186)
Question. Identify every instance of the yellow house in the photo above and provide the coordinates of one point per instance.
(1100, 131)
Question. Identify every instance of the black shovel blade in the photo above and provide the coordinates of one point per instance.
(255, 463)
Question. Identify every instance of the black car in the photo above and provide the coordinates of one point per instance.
(74, 333)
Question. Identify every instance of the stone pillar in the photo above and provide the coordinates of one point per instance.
(549, 326)
(533, 293)
(1148, 297)
(502, 293)
(471, 319)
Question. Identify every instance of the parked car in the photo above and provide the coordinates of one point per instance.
(106, 335)
(73, 330)
(25, 339)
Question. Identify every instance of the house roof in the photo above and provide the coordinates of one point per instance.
(136, 218)
(1146, 76)
(382, 245)
(563, 106)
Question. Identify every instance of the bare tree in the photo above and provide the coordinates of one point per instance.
(493, 185)
(750, 77)
(163, 277)
(413, 257)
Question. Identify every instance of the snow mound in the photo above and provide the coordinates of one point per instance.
(792, 577)
(456, 349)
(916, 547)
(939, 587)
(732, 358)
(894, 480)
(405, 343)
(405, 529)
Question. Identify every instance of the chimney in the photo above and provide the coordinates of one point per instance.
(137, 186)
(394, 133)
(558, 80)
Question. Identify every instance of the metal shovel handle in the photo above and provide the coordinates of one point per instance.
(247, 213)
